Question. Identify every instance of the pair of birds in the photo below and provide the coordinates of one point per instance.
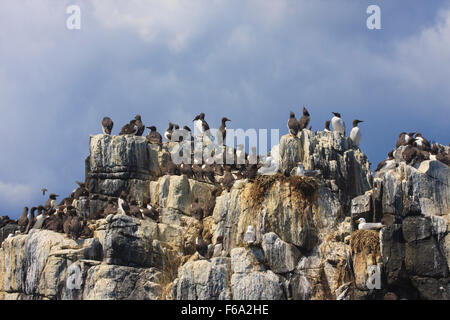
(295, 125)
(128, 206)
(338, 125)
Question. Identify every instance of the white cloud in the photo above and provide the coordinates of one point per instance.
(15, 194)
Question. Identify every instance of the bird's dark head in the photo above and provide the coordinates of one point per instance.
(337, 114)
(291, 115)
(305, 112)
(355, 122)
(177, 127)
(225, 119)
(411, 134)
(53, 196)
(33, 209)
(401, 133)
(138, 117)
(196, 118)
(391, 154)
(202, 116)
(40, 208)
(152, 128)
(187, 128)
(419, 135)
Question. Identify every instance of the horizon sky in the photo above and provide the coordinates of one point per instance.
(252, 61)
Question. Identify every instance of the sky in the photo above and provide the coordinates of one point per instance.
(252, 61)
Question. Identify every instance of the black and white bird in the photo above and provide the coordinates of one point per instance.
(169, 131)
(363, 225)
(51, 202)
(139, 125)
(221, 134)
(388, 163)
(201, 126)
(228, 179)
(304, 119)
(337, 123)
(129, 128)
(153, 136)
(23, 220)
(355, 134)
(203, 247)
(422, 143)
(107, 125)
(122, 204)
(293, 124)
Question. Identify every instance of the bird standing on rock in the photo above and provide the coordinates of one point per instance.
(327, 126)
(228, 179)
(129, 128)
(222, 132)
(23, 220)
(169, 131)
(122, 203)
(51, 202)
(154, 137)
(139, 125)
(202, 247)
(304, 120)
(337, 123)
(293, 124)
(107, 125)
(355, 134)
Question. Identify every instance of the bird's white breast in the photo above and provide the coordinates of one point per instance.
(338, 125)
(356, 135)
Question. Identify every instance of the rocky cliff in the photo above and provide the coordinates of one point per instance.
(306, 247)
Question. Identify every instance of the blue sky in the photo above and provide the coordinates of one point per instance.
(252, 61)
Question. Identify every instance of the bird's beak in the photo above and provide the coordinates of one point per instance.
(357, 221)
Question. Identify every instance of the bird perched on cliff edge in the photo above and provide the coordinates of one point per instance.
(221, 134)
(327, 126)
(23, 220)
(293, 124)
(107, 125)
(153, 136)
(337, 123)
(169, 131)
(51, 202)
(355, 134)
(304, 119)
(139, 125)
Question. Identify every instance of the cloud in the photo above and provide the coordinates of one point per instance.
(12, 194)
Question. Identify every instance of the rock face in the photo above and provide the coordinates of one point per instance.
(7, 227)
(307, 243)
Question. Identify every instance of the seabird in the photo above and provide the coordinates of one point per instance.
(198, 173)
(327, 126)
(139, 125)
(129, 128)
(422, 143)
(208, 173)
(304, 120)
(401, 141)
(205, 127)
(410, 152)
(228, 179)
(355, 134)
(197, 125)
(55, 222)
(44, 190)
(250, 236)
(150, 212)
(409, 136)
(222, 132)
(153, 136)
(169, 131)
(135, 211)
(300, 170)
(293, 124)
(186, 169)
(388, 163)
(211, 203)
(202, 247)
(51, 202)
(363, 225)
(31, 219)
(107, 125)
(337, 123)
(39, 220)
(196, 210)
(23, 220)
(75, 227)
(122, 204)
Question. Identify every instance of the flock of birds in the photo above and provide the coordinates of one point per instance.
(416, 149)
(66, 217)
